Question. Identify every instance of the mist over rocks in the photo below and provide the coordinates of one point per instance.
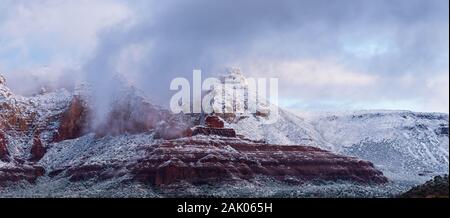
(54, 136)
(45, 139)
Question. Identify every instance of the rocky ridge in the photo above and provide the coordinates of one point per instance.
(51, 135)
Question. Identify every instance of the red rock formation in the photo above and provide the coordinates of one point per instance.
(214, 125)
(4, 154)
(37, 149)
(15, 173)
(193, 159)
(12, 118)
(214, 122)
(22, 119)
(73, 122)
(200, 161)
(128, 117)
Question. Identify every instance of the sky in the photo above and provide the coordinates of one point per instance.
(328, 55)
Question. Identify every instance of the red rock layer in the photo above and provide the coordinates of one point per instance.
(202, 160)
(16, 173)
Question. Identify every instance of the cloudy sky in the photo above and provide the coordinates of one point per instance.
(328, 55)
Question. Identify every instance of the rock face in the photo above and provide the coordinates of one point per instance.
(37, 150)
(52, 135)
(14, 173)
(214, 122)
(4, 154)
(74, 121)
(214, 125)
(206, 160)
(187, 160)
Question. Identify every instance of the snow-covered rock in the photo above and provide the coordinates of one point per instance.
(235, 95)
(22, 119)
(199, 159)
(405, 145)
(52, 137)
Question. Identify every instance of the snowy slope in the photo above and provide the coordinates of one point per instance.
(405, 145)
(287, 130)
(91, 151)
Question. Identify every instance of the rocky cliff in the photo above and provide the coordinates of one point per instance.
(52, 135)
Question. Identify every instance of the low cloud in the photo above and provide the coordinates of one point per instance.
(45, 41)
(315, 79)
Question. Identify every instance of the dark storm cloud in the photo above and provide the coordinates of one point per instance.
(384, 38)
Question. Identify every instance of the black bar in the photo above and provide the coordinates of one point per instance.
(284, 207)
